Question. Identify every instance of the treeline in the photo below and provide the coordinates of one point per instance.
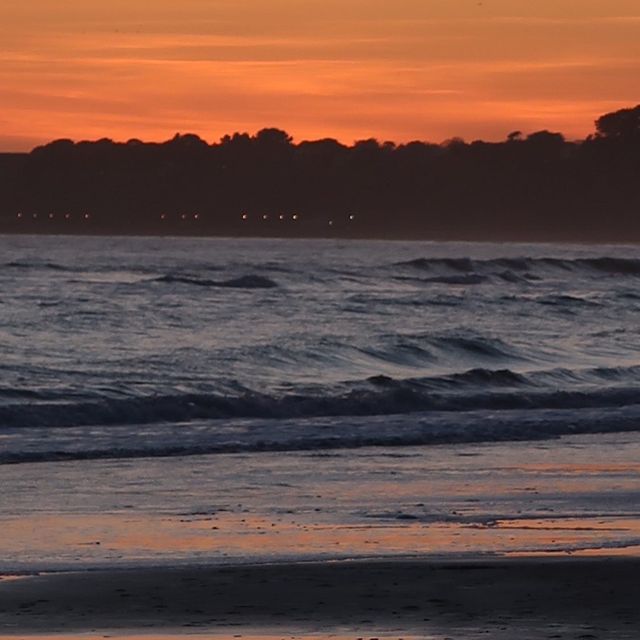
(530, 187)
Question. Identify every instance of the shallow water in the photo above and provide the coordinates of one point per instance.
(579, 495)
(218, 400)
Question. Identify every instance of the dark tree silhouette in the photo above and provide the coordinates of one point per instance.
(622, 125)
(274, 138)
(530, 187)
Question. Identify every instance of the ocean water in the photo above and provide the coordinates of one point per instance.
(133, 361)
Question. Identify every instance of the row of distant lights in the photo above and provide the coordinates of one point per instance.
(52, 216)
(295, 216)
(245, 217)
(164, 216)
(266, 216)
(182, 216)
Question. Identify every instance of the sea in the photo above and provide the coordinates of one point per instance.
(172, 400)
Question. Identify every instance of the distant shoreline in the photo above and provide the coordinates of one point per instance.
(510, 239)
(535, 188)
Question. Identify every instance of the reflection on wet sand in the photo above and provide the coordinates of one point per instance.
(477, 499)
(232, 537)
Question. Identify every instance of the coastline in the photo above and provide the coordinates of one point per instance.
(567, 497)
(544, 597)
(386, 237)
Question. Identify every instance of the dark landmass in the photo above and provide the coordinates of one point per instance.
(535, 187)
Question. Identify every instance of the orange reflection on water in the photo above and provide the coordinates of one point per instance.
(115, 537)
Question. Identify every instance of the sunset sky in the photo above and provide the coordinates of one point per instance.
(350, 69)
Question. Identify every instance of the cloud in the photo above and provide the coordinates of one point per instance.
(400, 70)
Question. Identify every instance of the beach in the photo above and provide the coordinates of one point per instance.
(533, 598)
(503, 541)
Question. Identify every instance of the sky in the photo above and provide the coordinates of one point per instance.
(395, 70)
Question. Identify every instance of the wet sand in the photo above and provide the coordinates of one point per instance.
(586, 598)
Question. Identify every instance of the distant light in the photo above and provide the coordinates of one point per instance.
(51, 216)
(196, 216)
(295, 216)
(87, 216)
(163, 216)
(183, 216)
(35, 216)
(67, 216)
(245, 216)
(265, 217)
(330, 222)
(19, 214)
(352, 217)
(281, 216)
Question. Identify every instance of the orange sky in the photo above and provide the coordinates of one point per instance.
(393, 69)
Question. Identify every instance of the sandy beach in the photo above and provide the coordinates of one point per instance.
(584, 598)
(534, 541)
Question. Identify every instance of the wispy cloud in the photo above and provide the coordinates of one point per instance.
(346, 68)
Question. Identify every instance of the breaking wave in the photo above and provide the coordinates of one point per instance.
(420, 429)
(27, 264)
(475, 389)
(243, 282)
(529, 268)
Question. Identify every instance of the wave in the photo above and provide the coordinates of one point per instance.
(498, 378)
(628, 295)
(565, 301)
(468, 279)
(243, 282)
(428, 349)
(613, 266)
(475, 389)
(36, 264)
(393, 431)
(526, 268)
(475, 345)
